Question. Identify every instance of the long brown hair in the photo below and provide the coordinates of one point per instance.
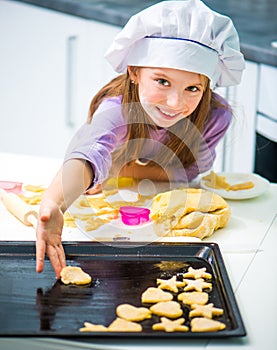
(184, 137)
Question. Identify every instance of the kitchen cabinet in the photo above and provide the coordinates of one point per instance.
(49, 68)
(267, 106)
(236, 152)
(253, 102)
(267, 91)
(266, 130)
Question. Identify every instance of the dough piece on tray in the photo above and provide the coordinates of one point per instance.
(154, 295)
(120, 325)
(171, 309)
(207, 311)
(198, 285)
(91, 327)
(168, 325)
(132, 313)
(171, 284)
(197, 273)
(202, 324)
(189, 298)
(74, 275)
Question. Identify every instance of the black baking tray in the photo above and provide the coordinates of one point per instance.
(34, 304)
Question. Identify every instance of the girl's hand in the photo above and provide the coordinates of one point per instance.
(95, 189)
(49, 232)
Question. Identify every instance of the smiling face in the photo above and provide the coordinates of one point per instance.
(168, 95)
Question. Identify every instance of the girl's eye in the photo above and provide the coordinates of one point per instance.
(193, 88)
(163, 82)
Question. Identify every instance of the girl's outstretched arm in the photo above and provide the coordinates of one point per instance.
(74, 177)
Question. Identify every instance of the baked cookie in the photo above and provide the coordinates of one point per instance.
(171, 309)
(74, 275)
(132, 313)
(198, 285)
(189, 298)
(171, 284)
(120, 325)
(207, 311)
(154, 295)
(197, 273)
(202, 324)
(168, 325)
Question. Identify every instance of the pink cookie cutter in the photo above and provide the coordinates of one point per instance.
(11, 186)
(134, 215)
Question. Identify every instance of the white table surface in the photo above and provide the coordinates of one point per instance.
(248, 245)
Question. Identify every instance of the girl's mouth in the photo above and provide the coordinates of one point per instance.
(168, 115)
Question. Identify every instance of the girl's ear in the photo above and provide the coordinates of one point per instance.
(132, 73)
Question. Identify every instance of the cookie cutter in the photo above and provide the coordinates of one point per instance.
(11, 186)
(131, 215)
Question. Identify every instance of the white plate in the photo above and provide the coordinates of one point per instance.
(261, 185)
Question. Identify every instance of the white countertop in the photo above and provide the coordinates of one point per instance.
(248, 245)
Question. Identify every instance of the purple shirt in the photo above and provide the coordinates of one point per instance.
(96, 141)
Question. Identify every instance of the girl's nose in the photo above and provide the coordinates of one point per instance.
(175, 100)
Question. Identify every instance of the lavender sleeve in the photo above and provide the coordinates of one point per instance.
(214, 131)
(96, 141)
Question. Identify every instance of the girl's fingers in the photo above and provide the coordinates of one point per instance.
(96, 189)
(40, 253)
(61, 255)
(57, 258)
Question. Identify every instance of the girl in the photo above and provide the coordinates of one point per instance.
(158, 120)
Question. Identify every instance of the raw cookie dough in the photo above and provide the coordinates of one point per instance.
(74, 275)
(132, 313)
(171, 309)
(170, 325)
(189, 212)
(154, 295)
(202, 324)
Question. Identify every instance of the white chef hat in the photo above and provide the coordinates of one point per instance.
(184, 35)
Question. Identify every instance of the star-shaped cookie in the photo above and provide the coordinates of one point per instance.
(198, 285)
(171, 284)
(170, 325)
(207, 311)
(197, 273)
